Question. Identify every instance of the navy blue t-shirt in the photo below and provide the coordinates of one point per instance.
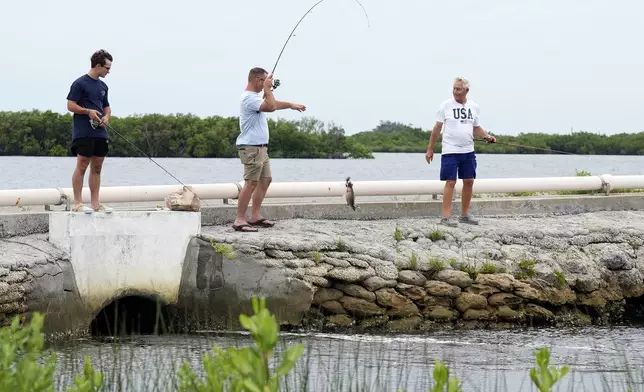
(90, 94)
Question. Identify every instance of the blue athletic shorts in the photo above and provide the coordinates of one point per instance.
(463, 164)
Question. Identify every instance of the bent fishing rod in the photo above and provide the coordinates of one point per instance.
(276, 82)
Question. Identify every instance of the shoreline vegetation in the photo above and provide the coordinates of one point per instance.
(265, 364)
(48, 133)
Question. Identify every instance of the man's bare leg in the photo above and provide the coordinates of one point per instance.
(78, 177)
(258, 198)
(448, 196)
(467, 198)
(96, 165)
(242, 203)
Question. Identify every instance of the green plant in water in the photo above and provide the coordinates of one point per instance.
(226, 250)
(543, 376)
(21, 354)
(398, 234)
(245, 369)
(90, 381)
(443, 381)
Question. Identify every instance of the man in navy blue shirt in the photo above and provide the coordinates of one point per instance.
(88, 100)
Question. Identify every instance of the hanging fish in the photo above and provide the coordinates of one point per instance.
(349, 196)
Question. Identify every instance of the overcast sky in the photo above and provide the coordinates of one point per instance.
(534, 65)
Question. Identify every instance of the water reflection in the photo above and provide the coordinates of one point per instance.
(600, 359)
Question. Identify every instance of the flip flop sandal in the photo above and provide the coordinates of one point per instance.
(82, 208)
(103, 208)
(241, 228)
(261, 223)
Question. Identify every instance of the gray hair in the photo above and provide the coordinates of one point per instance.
(466, 83)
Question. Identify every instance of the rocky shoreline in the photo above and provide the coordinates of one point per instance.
(412, 274)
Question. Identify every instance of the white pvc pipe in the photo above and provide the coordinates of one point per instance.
(157, 193)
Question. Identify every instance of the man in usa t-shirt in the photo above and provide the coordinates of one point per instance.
(458, 118)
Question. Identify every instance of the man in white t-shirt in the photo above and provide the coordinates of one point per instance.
(458, 118)
(252, 146)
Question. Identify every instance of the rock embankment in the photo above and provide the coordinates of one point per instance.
(410, 274)
(31, 271)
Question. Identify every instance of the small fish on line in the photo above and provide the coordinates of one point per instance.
(349, 196)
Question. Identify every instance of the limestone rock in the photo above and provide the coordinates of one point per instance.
(326, 294)
(467, 301)
(185, 199)
(440, 313)
(411, 277)
(455, 278)
(442, 289)
(482, 289)
(357, 291)
(333, 307)
(350, 274)
(376, 283)
(341, 320)
(503, 282)
(360, 307)
(504, 299)
(412, 292)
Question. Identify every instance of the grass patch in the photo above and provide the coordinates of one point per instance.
(526, 269)
(413, 261)
(436, 265)
(398, 234)
(488, 268)
(436, 235)
(316, 256)
(226, 250)
(560, 277)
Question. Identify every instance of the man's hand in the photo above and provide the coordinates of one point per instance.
(93, 115)
(105, 120)
(429, 157)
(268, 82)
(298, 107)
(490, 139)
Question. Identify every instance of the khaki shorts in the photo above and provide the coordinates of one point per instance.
(256, 162)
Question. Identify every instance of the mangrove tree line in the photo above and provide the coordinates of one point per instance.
(47, 133)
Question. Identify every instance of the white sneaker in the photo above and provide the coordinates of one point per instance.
(102, 208)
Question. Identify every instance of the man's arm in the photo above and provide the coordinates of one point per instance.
(434, 135)
(269, 104)
(280, 105)
(480, 132)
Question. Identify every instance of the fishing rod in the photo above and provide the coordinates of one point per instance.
(526, 146)
(95, 124)
(276, 82)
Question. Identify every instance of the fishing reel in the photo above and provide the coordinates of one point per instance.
(276, 84)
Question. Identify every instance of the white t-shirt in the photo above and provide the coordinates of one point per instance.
(253, 124)
(458, 121)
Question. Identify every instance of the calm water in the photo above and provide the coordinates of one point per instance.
(48, 172)
(600, 359)
(480, 358)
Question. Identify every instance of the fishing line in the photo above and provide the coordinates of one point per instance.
(276, 82)
(110, 128)
(525, 146)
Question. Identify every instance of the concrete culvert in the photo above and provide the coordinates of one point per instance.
(131, 315)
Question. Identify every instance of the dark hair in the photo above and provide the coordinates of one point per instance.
(255, 72)
(99, 57)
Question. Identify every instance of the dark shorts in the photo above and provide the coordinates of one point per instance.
(462, 164)
(90, 146)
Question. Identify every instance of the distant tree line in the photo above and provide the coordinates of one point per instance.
(38, 133)
(397, 137)
(47, 133)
